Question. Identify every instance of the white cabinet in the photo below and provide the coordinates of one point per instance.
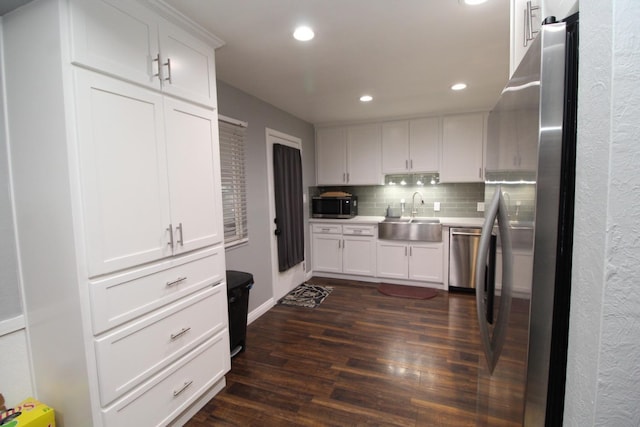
(522, 272)
(411, 146)
(145, 49)
(526, 18)
(150, 180)
(349, 155)
(525, 24)
(118, 208)
(420, 261)
(348, 249)
(463, 139)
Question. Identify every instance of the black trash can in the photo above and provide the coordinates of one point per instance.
(238, 285)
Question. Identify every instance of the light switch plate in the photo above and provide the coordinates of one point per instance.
(480, 207)
(436, 206)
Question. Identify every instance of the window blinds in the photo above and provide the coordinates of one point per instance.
(234, 194)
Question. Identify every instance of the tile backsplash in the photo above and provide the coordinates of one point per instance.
(456, 200)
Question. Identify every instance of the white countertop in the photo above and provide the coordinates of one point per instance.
(445, 221)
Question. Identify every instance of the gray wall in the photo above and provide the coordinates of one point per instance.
(603, 369)
(255, 257)
(10, 302)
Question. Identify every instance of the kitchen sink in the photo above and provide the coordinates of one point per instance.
(411, 229)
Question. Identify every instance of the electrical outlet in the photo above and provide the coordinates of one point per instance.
(480, 207)
(436, 206)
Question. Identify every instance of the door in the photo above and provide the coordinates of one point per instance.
(193, 159)
(395, 147)
(393, 261)
(364, 155)
(425, 262)
(124, 177)
(283, 281)
(331, 156)
(327, 252)
(130, 52)
(188, 67)
(462, 148)
(359, 255)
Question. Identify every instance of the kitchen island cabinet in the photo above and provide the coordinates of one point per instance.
(116, 184)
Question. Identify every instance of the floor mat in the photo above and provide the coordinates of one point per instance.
(402, 291)
(306, 295)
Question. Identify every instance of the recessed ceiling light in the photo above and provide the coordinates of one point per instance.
(303, 34)
(473, 2)
(459, 86)
(366, 98)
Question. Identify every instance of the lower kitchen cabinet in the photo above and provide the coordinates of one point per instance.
(522, 272)
(348, 249)
(413, 261)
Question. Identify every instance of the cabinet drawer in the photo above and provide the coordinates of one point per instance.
(121, 298)
(359, 230)
(327, 228)
(133, 353)
(166, 395)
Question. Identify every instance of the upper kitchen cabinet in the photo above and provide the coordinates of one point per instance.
(526, 18)
(349, 155)
(145, 49)
(410, 146)
(463, 139)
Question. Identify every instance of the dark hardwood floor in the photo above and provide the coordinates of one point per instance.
(363, 358)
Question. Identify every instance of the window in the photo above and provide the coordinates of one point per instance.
(234, 193)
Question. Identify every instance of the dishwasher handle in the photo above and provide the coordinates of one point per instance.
(465, 232)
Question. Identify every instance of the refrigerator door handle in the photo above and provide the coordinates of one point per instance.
(492, 343)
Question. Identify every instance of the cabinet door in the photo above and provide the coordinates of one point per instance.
(188, 67)
(424, 145)
(364, 155)
(327, 253)
(395, 147)
(193, 159)
(359, 255)
(393, 259)
(119, 37)
(123, 171)
(519, 29)
(331, 156)
(462, 148)
(425, 262)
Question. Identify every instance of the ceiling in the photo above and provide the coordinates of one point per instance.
(405, 53)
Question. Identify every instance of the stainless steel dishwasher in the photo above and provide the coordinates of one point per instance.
(463, 257)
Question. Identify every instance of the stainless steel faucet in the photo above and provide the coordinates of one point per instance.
(413, 203)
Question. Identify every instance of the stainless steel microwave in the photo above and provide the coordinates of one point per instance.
(334, 207)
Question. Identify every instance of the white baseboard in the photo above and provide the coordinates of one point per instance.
(259, 311)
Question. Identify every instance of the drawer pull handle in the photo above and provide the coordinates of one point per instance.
(179, 334)
(357, 231)
(181, 240)
(186, 385)
(326, 229)
(175, 282)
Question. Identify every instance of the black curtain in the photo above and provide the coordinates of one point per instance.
(287, 177)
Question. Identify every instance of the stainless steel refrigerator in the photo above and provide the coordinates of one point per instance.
(529, 198)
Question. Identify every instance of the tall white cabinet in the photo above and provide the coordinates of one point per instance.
(116, 181)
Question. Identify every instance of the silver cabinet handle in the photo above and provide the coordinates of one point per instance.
(357, 231)
(528, 23)
(463, 233)
(405, 251)
(406, 164)
(186, 385)
(480, 173)
(170, 230)
(411, 163)
(181, 239)
(157, 60)
(175, 282)
(179, 334)
(410, 250)
(348, 177)
(168, 65)
(326, 230)
(492, 346)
